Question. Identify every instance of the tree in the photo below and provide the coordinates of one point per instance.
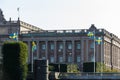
(15, 56)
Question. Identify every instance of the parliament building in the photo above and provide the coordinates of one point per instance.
(64, 46)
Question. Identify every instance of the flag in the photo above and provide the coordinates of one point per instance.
(34, 47)
(13, 36)
(90, 34)
(98, 40)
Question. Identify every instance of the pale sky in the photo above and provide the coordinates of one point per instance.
(65, 14)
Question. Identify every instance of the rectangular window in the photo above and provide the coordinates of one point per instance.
(78, 46)
(52, 59)
(92, 45)
(0, 56)
(0, 52)
(69, 58)
(43, 47)
(43, 57)
(69, 46)
(35, 57)
(92, 58)
(60, 59)
(78, 58)
(52, 46)
(60, 47)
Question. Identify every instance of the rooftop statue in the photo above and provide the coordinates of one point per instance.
(2, 19)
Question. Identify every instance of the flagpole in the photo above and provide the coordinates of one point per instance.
(32, 57)
(32, 62)
(94, 51)
(101, 55)
(18, 13)
(18, 10)
(17, 35)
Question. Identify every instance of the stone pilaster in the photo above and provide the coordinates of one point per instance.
(29, 48)
(46, 50)
(73, 50)
(37, 49)
(64, 49)
(55, 51)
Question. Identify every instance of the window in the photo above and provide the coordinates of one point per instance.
(92, 58)
(78, 58)
(0, 51)
(35, 57)
(52, 59)
(69, 46)
(43, 57)
(60, 59)
(92, 45)
(78, 46)
(0, 55)
(60, 47)
(43, 46)
(69, 58)
(52, 46)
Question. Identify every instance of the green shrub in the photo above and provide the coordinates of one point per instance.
(54, 67)
(99, 67)
(89, 67)
(15, 56)
(63, 67)
(72, 68)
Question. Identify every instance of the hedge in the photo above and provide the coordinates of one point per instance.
(99, 67)
(63, 67)
(89, 67)
(15, 56)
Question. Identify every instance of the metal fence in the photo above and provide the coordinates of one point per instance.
(90, 75)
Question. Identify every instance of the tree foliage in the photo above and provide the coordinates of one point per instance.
(15, 56)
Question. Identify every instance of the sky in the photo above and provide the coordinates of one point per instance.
(65, 14)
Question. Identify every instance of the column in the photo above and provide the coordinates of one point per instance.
(73, 49)
(55, 49)
(64, 49)
(102, 51)
(82, 50)
(38, 49)
(29, 48)
(87, 49)
(46, 51)
(118, 58)
(97, 53)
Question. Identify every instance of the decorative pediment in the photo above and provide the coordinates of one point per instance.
(92, 28)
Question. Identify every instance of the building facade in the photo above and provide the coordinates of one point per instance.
(65, 46)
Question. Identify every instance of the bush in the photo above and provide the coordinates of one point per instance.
(89, 67)
(72, 68)
(54, 67)
(14, 60)
(63, 67)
